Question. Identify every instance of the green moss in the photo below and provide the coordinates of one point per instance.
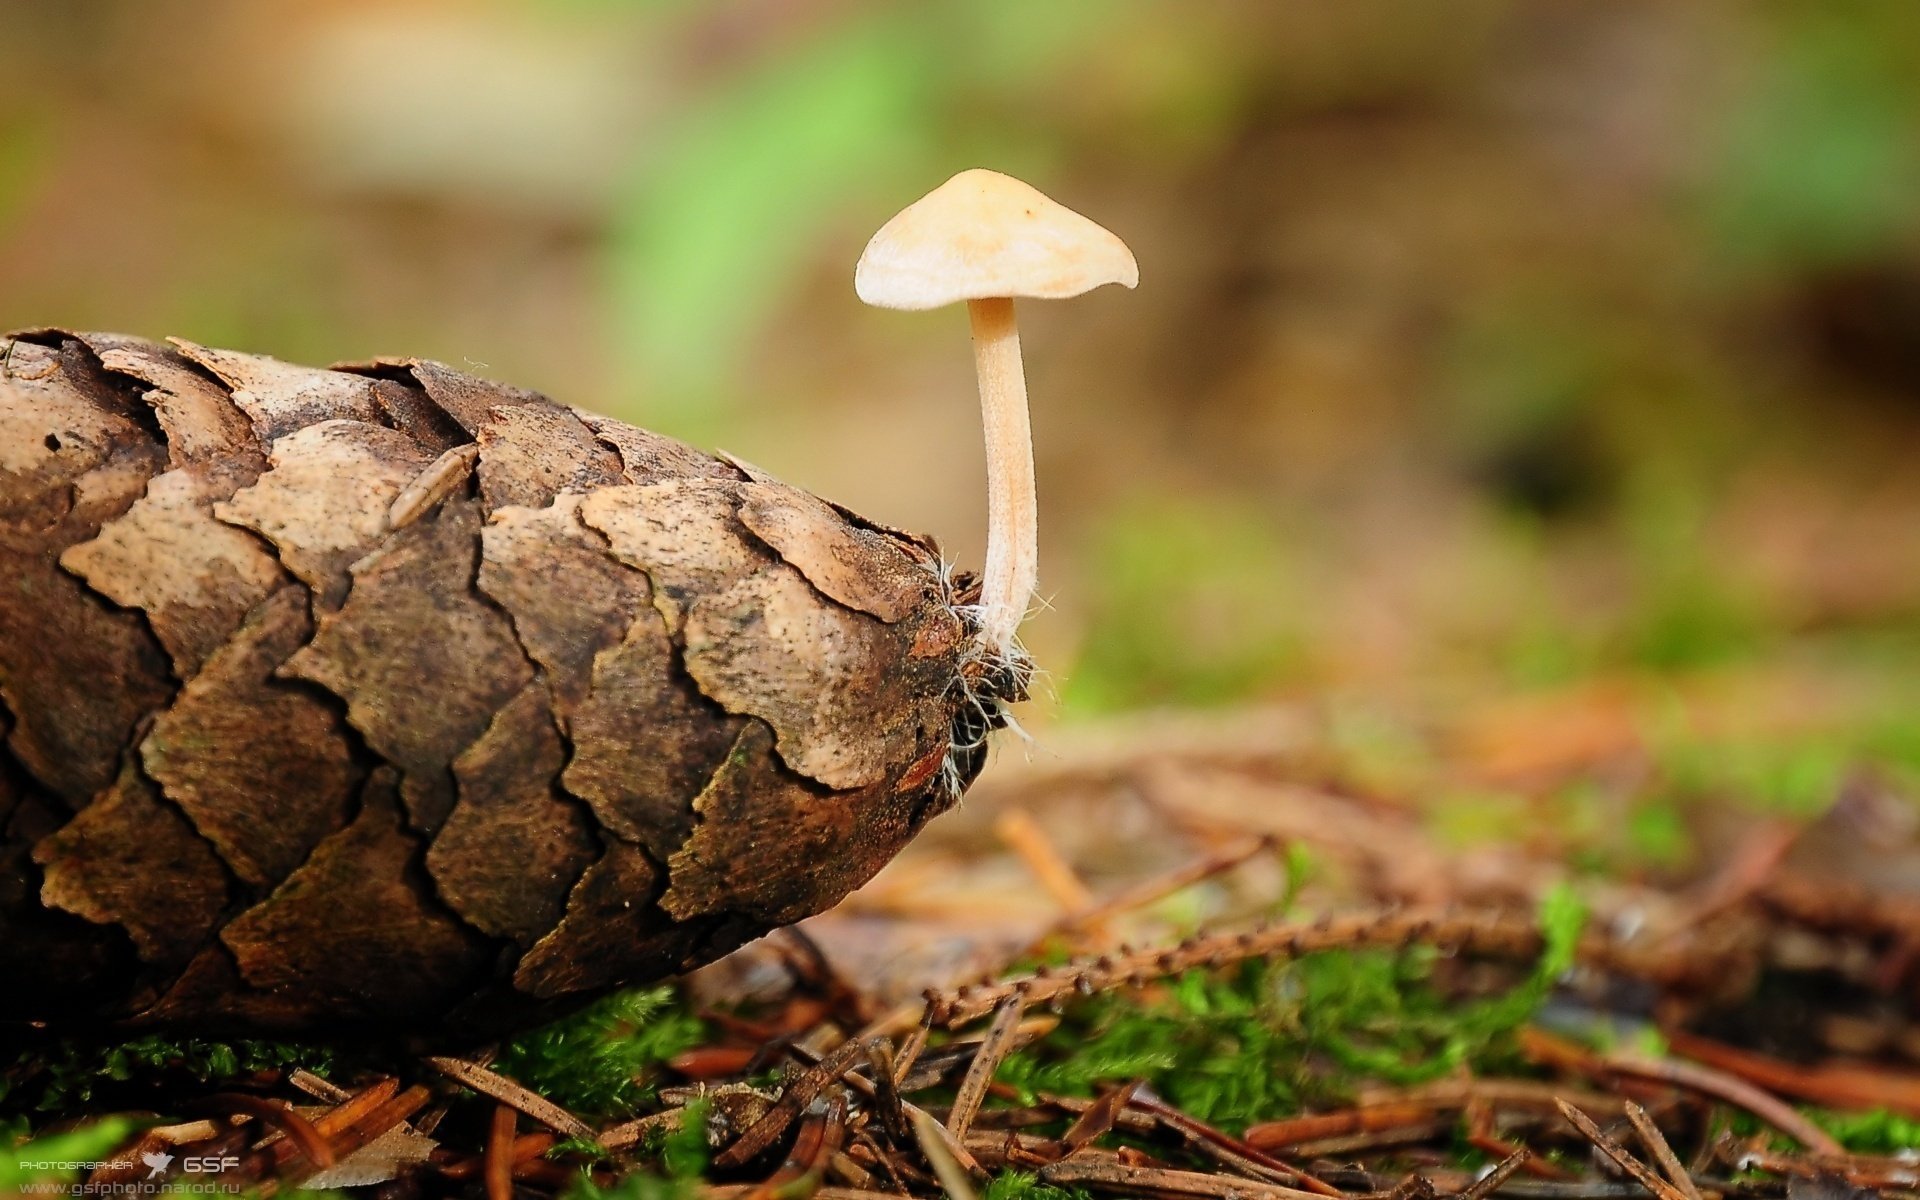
(1020, 1185)
(67, 1076)
(1876, 1132)
(1264, 1038)
(599, 1061)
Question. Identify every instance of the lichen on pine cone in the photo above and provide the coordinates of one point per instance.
(389, 698)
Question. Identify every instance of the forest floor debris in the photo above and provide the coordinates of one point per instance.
(1165, 1003)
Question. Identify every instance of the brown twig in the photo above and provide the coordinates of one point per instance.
(279, 1114)
(1275, 1135)
(499, 1154)
(521, 1154)
(1696, 1078)
(1836, 1086)
(1546, 1048)
(1641, 1173)
(935, 1067)
(1153, 890)
(1400, 1107)
(714, 1062)
(842, 1167)
(1098, 1118)
(814, 971)
(378, 1120)
(1006, 1148)
(959, 1151)
(317, 1087)
(986, 1062)
(1859, 1170)
(1127, 1120)
(1376, 1139)
(910, 1051)
(629, 1133)
(1023, 835)
(1662, 1151)
(498, 1087)
(1106, 1173)
(333, 1123)
(1490, 1183)
(940, 1151)
(1526, 1095)
(793, 1101)
(822, 1131)
(356, 1106)
(1533, 1164)
(1206, 1136)
(1492, 933)
(886, 1091)
(1413, 1187)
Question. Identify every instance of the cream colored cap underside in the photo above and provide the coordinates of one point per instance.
(983, 234)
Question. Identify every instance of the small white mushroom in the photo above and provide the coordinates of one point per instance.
(987, 238)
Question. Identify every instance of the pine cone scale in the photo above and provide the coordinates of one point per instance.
(74, 459)
(237, 732)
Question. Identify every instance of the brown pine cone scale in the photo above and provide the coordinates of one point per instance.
(389, 699)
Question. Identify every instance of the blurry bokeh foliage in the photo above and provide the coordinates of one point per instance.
(1519, 342)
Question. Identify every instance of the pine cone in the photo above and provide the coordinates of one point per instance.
(387, 698)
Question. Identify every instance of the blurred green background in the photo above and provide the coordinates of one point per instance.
(1487, 348)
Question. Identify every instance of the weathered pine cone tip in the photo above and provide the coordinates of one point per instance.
(386, 698)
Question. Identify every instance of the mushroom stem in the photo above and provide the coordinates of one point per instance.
(1013, 537)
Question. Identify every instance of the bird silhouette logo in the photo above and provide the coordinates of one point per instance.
(157, 1164)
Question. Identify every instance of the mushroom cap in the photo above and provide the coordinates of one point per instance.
(983, 234)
